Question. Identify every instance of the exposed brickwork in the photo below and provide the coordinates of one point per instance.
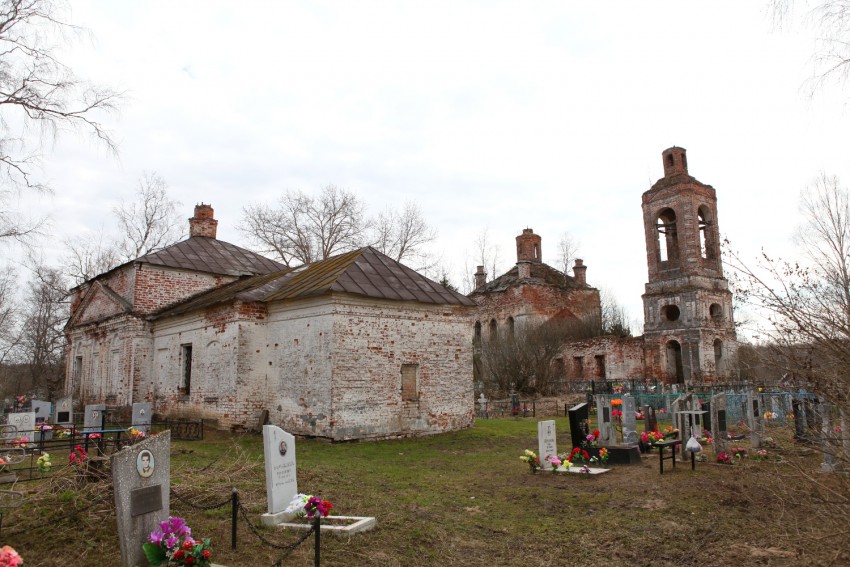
(157, 287)
(203, 223)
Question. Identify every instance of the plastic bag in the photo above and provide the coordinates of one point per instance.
(693, 445)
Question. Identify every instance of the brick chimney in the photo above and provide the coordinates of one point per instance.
(480, 277)
(203, 223)
(675, 161)
(528, 247)
(580, 272)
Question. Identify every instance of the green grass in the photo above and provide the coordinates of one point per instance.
(462, 498)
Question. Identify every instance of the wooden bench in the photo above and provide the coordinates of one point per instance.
(673, 443)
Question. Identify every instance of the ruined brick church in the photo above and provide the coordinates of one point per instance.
(689, 333)
(359, 346)
(355, 346)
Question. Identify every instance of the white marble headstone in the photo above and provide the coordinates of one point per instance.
(281, 483)
(41, 409)
(546, 443)
(630, 436)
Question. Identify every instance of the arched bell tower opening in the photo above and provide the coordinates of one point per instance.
(689, 332)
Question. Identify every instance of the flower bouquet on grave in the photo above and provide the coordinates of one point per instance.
(136, 435)
(724, 458)
(706, 437)
(60, 432)
(77, 456)
(554, 462)
(579, 455)
(739, 453)
(761, 455)
(9, 557)
(670, 433)
(19, 442)
(310, 506)
(591, 439)
(43, 463)
(172, 544)
(531, 458)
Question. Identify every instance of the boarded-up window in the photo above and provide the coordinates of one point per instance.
(409, 382)
(578, 367)
(186, 368)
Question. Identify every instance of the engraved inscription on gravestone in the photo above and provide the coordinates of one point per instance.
(546, 442)
(281, 482)
(62, 411)
(145, 500)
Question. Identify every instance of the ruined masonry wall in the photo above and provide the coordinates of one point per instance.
(530, 303)
(157, 287)
(624, 358)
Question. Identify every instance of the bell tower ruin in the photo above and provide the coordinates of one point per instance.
(689, 331)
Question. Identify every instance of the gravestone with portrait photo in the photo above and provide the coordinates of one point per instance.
(281, 483)
(93, 420)
(24, 422)
(141, 476)
(63, 411)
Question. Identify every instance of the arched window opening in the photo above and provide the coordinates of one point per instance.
(670, 313)
(716, 312)
(675, 370)
(511, 326)
(668, 243)
(493, 329)
(536, 252)
(707, 244)
(477, 337)
(670, 159)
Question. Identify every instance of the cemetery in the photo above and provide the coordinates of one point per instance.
(610, 480)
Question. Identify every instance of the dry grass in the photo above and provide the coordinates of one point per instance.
(466, 499)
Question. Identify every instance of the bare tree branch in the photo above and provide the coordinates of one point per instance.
(150, 222)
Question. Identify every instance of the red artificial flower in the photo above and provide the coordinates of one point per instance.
(585, 454)
(596, 433)
(188, 544)
(575, 450)
(206, 554)
(179, 554)
(190, 560)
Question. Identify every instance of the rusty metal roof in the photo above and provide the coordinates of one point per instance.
(540, 273)
(204, 254)
(365, 272)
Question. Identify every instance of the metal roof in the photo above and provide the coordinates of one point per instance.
(203, 254)
(540, 273)
(365, 272)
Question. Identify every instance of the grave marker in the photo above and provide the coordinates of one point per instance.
(827, 445)
(718, 422)
(754, 419)
(63, 411)
(142, 414)
(94, 417)
(650, 420)
(603, 418)
(23, 422)
(281, 481)
(141, 476)
(630, 436)
(578, 431)
(41, 410)
(546, 442)
(799, 420)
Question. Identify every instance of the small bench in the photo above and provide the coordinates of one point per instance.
(673, 443)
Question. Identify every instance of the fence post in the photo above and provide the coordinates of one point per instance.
(533, 408)
(317, 525)
(234, 506)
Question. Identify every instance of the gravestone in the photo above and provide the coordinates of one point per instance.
(142, 414)
(718, 422)
(482, 406)
(754, 419)
(578, 431)
(281, 481)
(141, 477)
(630, 436)
(706, 419)
(63, 411)
(603, 419)
(42, 410)
(828, 446)
(546, 443)
(94, 416)
(23, 422)
(650, 420)
(810, 411)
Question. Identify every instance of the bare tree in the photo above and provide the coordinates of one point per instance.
(10, 335)
(404, 235)
(567, 252)
(38, 91)
(615, 319)
(42, 340)
(88, 256)
(303, 228)
(150, 221)
(522, 358)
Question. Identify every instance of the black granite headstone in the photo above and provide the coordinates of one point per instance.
(650, 420)
(578, 415)
(706, 418)
(721, 420)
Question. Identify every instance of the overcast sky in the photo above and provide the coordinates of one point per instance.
(497, 115)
